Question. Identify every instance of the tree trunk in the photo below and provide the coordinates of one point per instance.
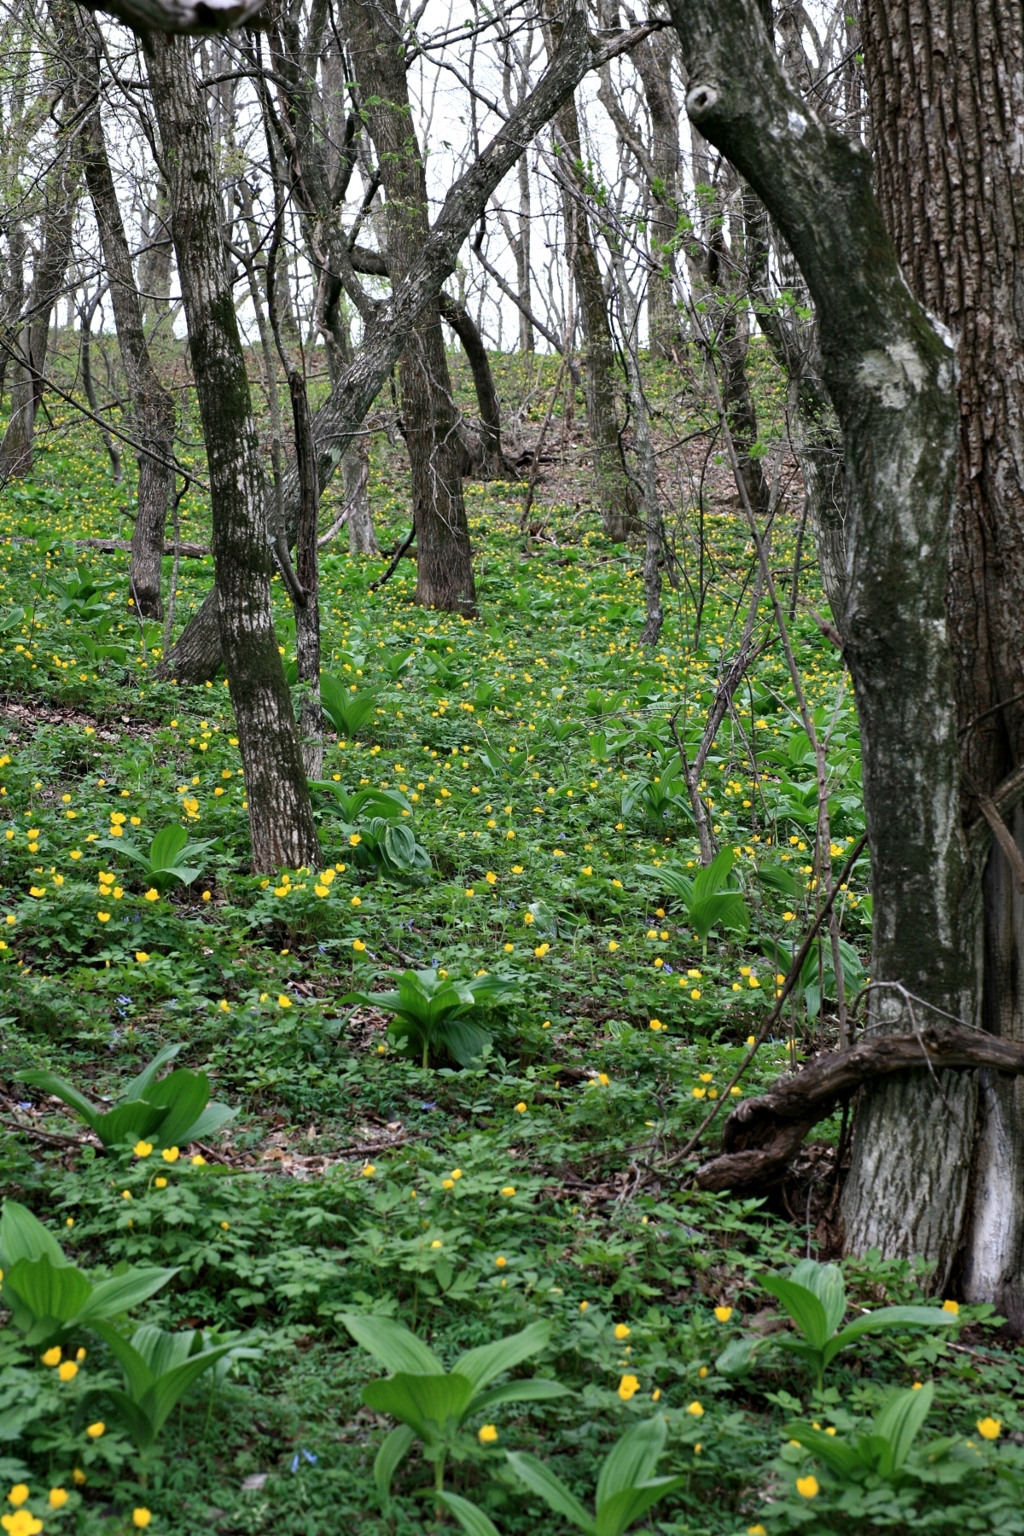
(429, 417)
(889, 372)
(196, 656)
(16, 456)
(944, 84)
(616, 496)
(653, 61)
(280, 813)
(155, 259)
(355, 473)
(152, 406)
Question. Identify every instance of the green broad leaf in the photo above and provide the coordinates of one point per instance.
(43, 1297)
(431, 1405)
(134, 1418)
(23, 1236)
(168, 1389)
(779, 879)
(621, 1511)
(125, 847)
(481, 1365)
(827, 1283)
(839, 1457)
(724, 909)
(129, 1122)
(122, 1292)
(536, 1389)
(803, 1307)
(539, 1479)
(665, 878)
(389, 1458)
(213, 1117)
(737, 1356)
(185, 1095)
(137, 1087)
(899, 1421)
(164, 1350)
(464, 1040)
(137, 1373)
(50, 1083)
(888, 1317)
(714, 876)
(392, 1344)
(632, 1459)
(166, 846)
(473, 1521)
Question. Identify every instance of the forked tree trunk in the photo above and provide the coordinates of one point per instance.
(945, 82)
(430, 420)
(197, 653)
(152, 406)
(890, 373)
(280, 813)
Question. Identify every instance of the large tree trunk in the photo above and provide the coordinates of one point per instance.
(280, 813)
(945, 82)
(890, 373)
(429, 418)
(152, 406)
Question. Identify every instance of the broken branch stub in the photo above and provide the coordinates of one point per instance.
(763, 1135)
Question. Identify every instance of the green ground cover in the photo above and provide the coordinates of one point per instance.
(527, 833)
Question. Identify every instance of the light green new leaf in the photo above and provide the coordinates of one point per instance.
(165, 847)
(888, 1317)
(390, 1456)
(49, 1082)
(899, 1421)
(537, 1389)
(121, 1292)
(803, 1307)
(137, 1087)
(632, 1459)
(431, 1405)
(481, 1365)
(619, 1512)
(839, 1457)
(392, 1344)
(539, 1479)
(473, 1521)
(826, 1282)
(23, 1236)
(184, 1095)
(43, 1297)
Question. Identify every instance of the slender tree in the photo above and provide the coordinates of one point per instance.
(280, 815)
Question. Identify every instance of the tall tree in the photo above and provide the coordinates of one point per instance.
(152, 406)
(280, 815)
(945, 84)
(889, 371)
(379, 53)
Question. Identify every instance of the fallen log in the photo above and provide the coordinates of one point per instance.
(108, 546)
(762, 1136)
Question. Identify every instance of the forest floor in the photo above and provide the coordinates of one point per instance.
(532, 749)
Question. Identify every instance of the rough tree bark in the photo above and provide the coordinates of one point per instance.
(51, 264)
(945, 83)
(152, 406)
(430, 420)
(615, 494)
(197, 654)
(889, 371)
(280, 813)
(654, 66)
